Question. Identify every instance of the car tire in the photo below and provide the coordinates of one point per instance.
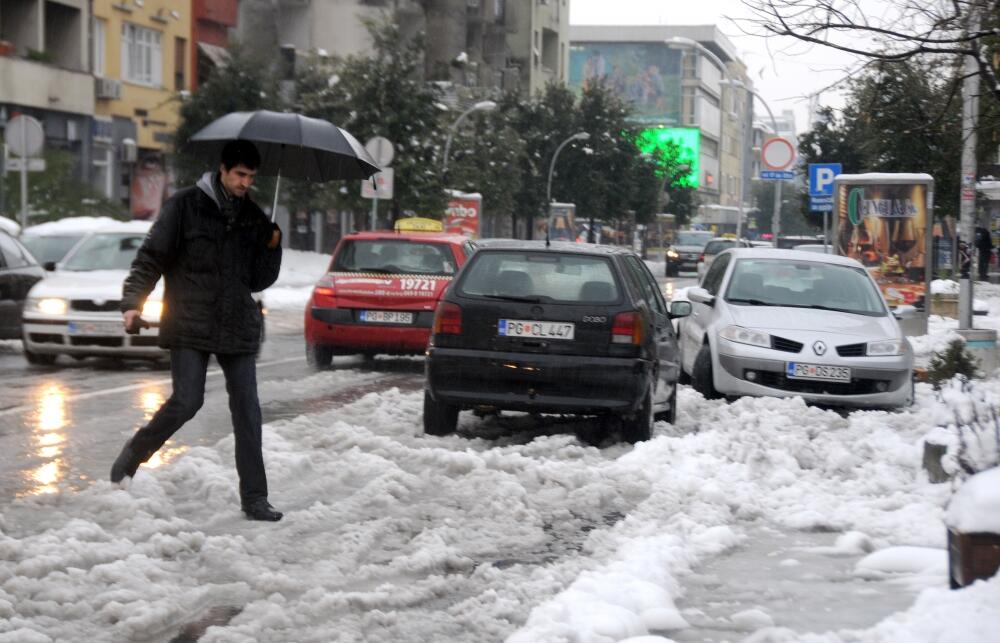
(439, 418)
(39, 359)
(319, 356)
(639, 427)
(673, 271)
(701, 378)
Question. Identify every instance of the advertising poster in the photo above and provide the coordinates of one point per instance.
(885, 227)
(562, 222)
(148, 189)
(648, 75)
(463, 214)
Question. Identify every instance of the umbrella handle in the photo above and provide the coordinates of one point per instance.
(277, 188)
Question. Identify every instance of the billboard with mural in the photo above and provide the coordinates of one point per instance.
(883, 221)
(648, 75)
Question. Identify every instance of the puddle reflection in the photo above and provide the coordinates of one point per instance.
(48, 436)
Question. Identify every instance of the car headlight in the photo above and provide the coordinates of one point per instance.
(673, 254)
(48, 305)
(152, 309)
(888, 348)
(742, 335)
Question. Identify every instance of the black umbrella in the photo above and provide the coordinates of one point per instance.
(290, 145)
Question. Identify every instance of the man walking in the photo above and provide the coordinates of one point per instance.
(213, 246)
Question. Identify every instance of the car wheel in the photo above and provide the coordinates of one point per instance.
(673, 271)
(319, 356)
(639, 427)
(701, 378)
(439, 418)
(41, 359)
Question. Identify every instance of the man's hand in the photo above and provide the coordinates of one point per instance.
(269, 235)
(133, 322)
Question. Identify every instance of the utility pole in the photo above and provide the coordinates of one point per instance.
(967, 204)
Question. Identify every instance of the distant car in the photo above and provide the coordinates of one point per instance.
(567, 328)
(714, 247)
(75, 310)
(18, 273)
(685, 251)
(380, 292)
(771, 322)
(50, 242)
(788, 242)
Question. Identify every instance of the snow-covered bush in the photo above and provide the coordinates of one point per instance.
(973, 436)
(955, 360)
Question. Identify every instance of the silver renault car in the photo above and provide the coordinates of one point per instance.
(770, 322)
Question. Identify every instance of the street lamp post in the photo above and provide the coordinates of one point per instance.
(481, 106)
(579, 136)
(726, 79)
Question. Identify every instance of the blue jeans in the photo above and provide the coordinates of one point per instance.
(188, 368)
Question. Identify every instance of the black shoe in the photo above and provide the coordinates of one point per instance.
(125, 464)
(261, 510)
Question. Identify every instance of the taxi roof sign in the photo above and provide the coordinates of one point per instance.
(418, 224)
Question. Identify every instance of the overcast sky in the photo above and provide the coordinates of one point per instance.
(783, 70)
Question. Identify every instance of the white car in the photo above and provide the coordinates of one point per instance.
(770, 322)
(75, 310)
(713, 248)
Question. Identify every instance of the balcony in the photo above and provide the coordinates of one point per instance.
(35, 84)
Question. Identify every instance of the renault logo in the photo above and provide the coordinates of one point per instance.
(819, 348)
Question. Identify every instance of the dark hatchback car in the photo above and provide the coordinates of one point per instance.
(568, 328)
(18, 273)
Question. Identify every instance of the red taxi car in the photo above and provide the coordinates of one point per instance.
(380, 293)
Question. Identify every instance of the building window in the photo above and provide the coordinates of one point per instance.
(499, 10)
(98, 41)
(142, 61)
(180, 57)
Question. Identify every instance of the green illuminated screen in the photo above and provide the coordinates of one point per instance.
(687, 139)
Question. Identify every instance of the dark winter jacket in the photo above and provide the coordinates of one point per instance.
(210, 264)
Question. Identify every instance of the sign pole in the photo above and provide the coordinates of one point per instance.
(24, 176)
(374, 214)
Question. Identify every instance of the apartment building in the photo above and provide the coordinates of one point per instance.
(105, 77)
(44, 72)
(211, 23)
(679, 82)
(142, 69)
(475, 48)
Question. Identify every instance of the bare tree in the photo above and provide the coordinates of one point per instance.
(888, 30)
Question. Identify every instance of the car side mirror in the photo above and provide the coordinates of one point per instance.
(904, 311)
(50, 266)
(701, 296)
(680, 309)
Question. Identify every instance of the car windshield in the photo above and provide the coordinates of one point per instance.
(392, 256)
(105, 251)
(541, 276)
(717, 246)
(804, 284)
(693, 238)
(47, 248)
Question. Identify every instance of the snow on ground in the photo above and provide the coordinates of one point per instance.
(299, 272)
(393, 536)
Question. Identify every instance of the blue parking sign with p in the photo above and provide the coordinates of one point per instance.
(821, 177)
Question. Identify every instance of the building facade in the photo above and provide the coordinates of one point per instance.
(142, 70)
(106, 79)
(676, 86)
(474, 48)
(211, 22)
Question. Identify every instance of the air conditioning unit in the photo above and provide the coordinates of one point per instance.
(128, 151)
(108, 88)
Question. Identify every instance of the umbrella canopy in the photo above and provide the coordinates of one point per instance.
(290, 145)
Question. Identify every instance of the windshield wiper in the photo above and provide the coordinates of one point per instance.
(752, 302)
(533, 299)
(836, 310)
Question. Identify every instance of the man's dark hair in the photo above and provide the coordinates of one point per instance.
(240, 152)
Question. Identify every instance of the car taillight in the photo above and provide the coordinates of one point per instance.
(448, 319)
(627, 329)
(324, 287)
(701, 257)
